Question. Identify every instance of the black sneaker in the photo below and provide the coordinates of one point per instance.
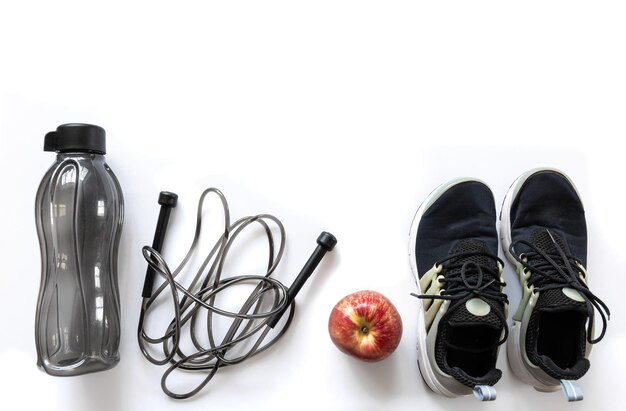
(544, 234)
(453, 250)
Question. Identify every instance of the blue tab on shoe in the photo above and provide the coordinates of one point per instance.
(484, 393)
(572, 390)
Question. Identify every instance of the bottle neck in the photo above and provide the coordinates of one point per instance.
(79, 154)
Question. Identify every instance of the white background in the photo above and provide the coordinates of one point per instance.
(334, 115)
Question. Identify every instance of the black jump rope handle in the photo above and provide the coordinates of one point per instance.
(167, 201)
(325, 243)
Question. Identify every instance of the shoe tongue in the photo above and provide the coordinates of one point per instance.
(476, 311)
(559, 299)
(472, 246)
(546, 240)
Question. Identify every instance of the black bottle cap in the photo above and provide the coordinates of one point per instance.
(76, 137)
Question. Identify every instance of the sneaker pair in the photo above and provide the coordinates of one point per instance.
(463, 311)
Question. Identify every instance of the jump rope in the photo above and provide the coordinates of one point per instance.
(258, 315)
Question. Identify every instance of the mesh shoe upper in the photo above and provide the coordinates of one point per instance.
(465, 211)
(548, 200)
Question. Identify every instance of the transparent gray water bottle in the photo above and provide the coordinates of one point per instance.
(79, 214)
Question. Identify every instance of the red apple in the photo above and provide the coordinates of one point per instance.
(365, 325)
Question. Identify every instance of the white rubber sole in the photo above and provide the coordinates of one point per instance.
(425, 367)
(513, 344)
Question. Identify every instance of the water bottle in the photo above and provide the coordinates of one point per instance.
(79, 214)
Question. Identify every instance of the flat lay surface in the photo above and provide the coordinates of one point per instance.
(332, 116)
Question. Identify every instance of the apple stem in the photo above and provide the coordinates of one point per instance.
(364, 329)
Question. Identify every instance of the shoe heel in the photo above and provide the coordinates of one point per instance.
(516, 362)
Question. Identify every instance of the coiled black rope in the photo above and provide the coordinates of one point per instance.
(246, 336)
